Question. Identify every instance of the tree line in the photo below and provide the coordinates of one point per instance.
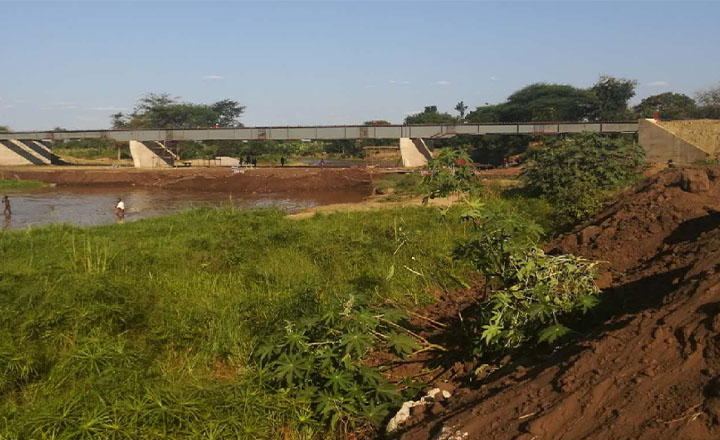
(606, 100)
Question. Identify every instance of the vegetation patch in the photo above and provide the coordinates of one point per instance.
(577, 173)
(21, 184)
(154, 328)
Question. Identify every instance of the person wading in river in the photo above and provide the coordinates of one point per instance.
(6, 206)
(120, 209)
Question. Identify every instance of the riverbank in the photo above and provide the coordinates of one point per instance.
(258, 180)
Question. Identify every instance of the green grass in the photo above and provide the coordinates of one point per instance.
(144, 329)
(400, 184)
(21, 184)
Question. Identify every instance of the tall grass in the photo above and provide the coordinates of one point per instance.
(144, 329)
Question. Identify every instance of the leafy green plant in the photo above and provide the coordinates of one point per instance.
(529, 292)
(576, 172)
(318, 361)
(449, 173)
(537, 292)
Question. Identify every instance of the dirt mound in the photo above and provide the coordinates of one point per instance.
(667, 208)
(651, 371)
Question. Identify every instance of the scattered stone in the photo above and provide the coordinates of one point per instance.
(450, 433)
(418, 407)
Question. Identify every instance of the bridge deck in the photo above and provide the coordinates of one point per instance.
(330, 132)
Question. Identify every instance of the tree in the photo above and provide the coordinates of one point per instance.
(4, 129)
(708, 101)
(612, 96)
(548, 102)
(229, 112)
(670, 105)
(430, 116)
(461, 108)
(164, 111)
(376, 122)
(487, 113)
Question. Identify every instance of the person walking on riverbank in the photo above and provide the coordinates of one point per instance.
(6, 206)
(120, 209)
(282, 161)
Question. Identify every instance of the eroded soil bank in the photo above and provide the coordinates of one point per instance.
(650, 370)
(260, 180)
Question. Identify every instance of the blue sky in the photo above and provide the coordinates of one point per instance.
(73, 64)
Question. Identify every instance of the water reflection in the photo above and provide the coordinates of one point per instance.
(84, 206)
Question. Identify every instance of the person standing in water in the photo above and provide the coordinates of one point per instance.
(120, 209)
(6, 206)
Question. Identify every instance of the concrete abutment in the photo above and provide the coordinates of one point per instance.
(26, 152)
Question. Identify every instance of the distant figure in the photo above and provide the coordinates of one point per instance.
(670, 163)
(505, 162)
(248, 162)
(322, 161)
(6, 206)
(120, 209)
(254, 162)
(282, 161)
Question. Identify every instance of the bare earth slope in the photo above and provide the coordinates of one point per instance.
(650, 372)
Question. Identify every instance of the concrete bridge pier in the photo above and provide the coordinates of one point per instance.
(415, 152)
(25, 152)
(152, 154)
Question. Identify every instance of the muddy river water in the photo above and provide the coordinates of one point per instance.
(84, 206)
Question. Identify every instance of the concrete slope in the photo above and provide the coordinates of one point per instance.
(414, 152)
(15, 152)
(703, 133)
(661, 145)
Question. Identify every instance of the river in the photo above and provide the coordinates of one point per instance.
(86, 206)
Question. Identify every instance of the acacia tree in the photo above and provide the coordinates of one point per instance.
(540, 102)
(164, 111)
(670, 106)
(430, 115)
(612, 96)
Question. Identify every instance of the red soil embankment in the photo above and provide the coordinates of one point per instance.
(261, 180)
(652, 370)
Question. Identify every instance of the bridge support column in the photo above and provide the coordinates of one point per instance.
(415, 153)
(152, 154)
(25, 152)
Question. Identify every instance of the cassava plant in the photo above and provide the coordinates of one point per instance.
(449, 173)
(318, 362)
(530, 292)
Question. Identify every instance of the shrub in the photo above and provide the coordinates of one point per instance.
(574, 173)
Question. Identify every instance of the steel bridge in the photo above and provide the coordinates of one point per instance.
(429, 131)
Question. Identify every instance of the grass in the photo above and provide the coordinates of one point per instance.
(19, 184)
(400, 184)
(144, 329)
